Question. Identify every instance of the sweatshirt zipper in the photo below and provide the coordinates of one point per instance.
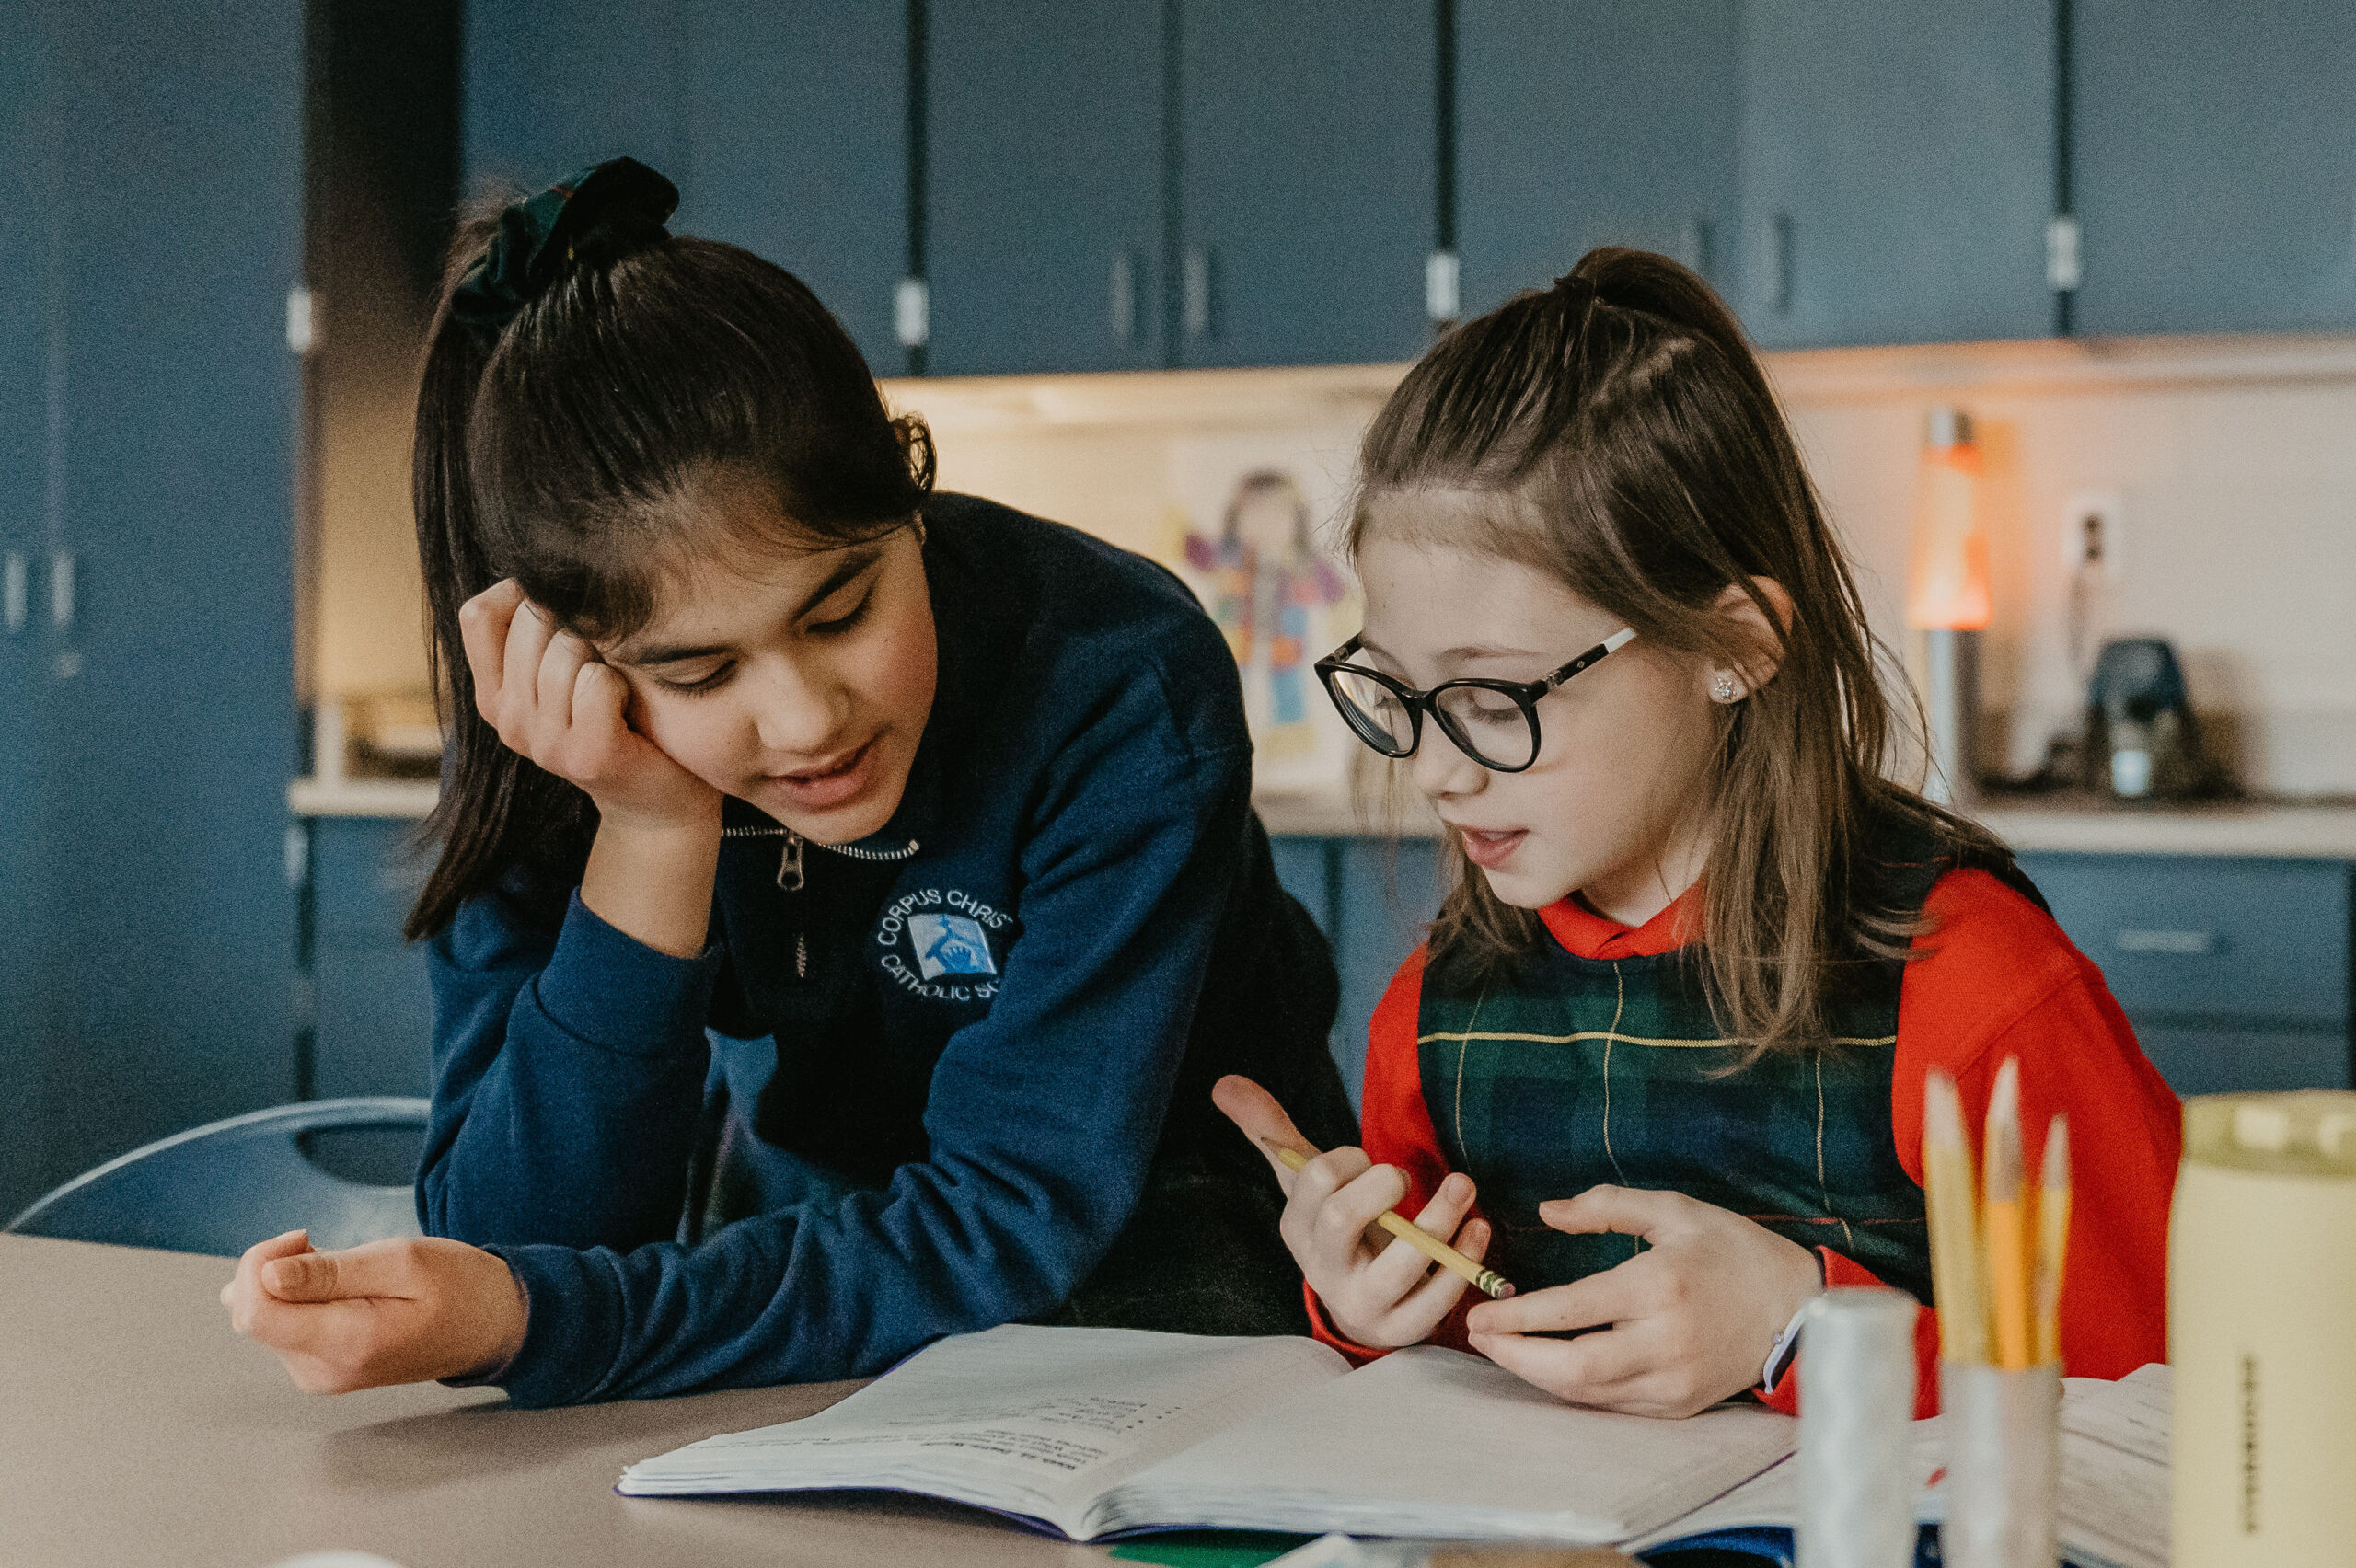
(790, 875)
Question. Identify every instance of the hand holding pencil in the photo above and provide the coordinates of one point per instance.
(1383, 1281)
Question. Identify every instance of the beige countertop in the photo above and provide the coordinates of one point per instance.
(363, 797)
(2324, 831)
(2254, 828)
(138, 1429)
(1318, 816)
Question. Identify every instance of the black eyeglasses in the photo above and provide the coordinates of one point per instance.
(1494, 722)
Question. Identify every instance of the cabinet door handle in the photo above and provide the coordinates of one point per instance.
(1699, 241)
(912, 313)
(1443, 287)
(1122, 298)
(61, 589)
(13, 591)
(2179, 943)
(2063, 268)
(1195, 291)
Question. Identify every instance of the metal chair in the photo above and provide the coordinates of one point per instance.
(222, 1187)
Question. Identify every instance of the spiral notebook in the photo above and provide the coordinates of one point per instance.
(1092, 1433)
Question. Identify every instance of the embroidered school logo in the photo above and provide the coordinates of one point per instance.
(950, 944)
(938, 943)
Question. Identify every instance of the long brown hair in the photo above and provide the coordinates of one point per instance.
(558, 449)
(1617, 432)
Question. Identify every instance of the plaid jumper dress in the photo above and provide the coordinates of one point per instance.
(1571, 1072)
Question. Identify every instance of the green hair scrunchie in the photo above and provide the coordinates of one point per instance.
(536, 236)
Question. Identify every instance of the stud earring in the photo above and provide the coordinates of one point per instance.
(1723, 688)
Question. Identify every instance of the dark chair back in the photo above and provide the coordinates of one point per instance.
(222, 1187)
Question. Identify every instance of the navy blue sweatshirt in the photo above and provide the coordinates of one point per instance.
(943, 1063)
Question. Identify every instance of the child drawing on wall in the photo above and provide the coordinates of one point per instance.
(1267, 578)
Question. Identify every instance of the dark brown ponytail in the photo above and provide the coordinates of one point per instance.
(567, 446)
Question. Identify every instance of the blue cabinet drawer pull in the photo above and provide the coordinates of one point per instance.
(2177, 942)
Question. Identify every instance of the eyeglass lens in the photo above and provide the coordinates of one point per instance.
(1488, 726)
(1375, 711)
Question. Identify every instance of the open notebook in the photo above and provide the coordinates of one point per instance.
(1097, 1432)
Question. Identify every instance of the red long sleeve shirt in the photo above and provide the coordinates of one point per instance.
(1996, 978)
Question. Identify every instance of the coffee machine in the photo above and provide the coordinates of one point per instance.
(2143, 742)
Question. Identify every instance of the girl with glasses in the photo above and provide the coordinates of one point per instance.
(847, 894)
(1661, 1062)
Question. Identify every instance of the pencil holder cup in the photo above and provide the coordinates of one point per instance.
(2003, 1432)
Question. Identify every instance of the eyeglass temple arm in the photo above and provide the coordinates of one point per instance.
(1611, 644)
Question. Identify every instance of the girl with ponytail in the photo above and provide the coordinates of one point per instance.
(847, 893)
(1671, 1032)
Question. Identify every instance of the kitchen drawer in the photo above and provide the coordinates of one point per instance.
(364, 877)
(2256, 939)
(2216, 1061)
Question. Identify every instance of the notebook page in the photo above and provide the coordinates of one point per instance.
(2114, 1504)
(1434, 1442)
(1772, 1497)
(1030, 1421)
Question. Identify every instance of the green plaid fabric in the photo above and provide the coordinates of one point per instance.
(1580, 1071)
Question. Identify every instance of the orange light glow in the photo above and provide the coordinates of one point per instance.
(1946, 579)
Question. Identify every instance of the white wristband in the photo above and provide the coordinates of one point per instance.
(1786, 1350)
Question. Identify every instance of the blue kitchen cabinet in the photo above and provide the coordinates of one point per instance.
(373, 1004)
(26, 73)
(783, 126)
(2215, 166)
(1310, 870)
(1897, 171)
(2234, 973)
(1389, 890)
(1588, 122)
(795, 124)
(153, 229)
(2229, 1055)
(1308, 172)
(552, 85)
(1373, 897)
(1044, 201)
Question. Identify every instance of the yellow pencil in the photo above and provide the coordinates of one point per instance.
(1952, 1196)
(2004, 1218)
(2053, 1239)
(1485, 1280)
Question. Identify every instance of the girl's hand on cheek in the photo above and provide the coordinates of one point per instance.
(399, 1311)
(551, 701)
(1689, 1321)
